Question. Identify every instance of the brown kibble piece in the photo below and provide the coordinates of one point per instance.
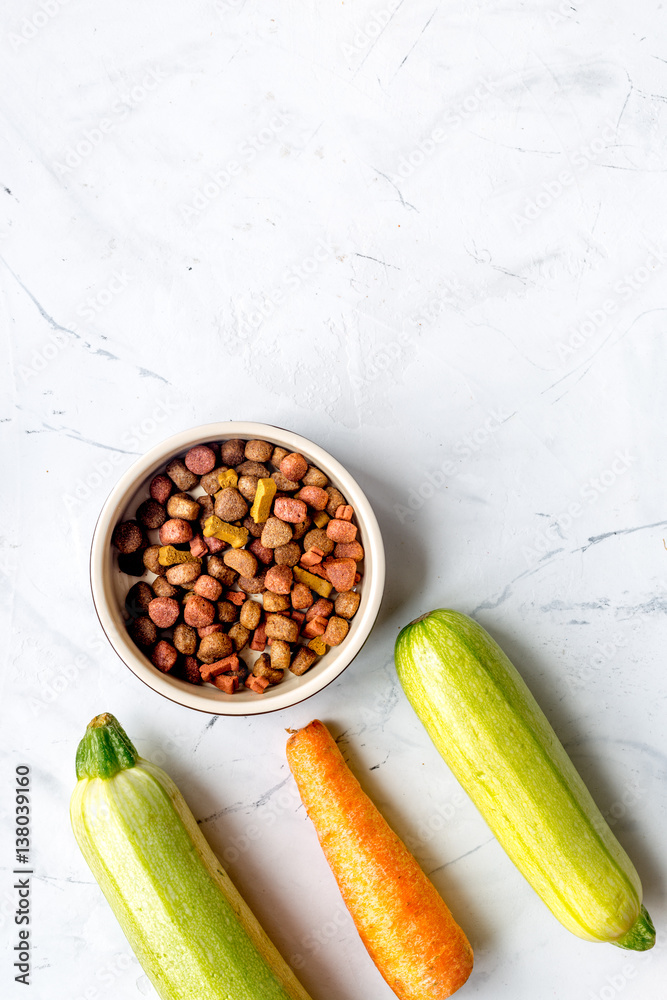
(191, 670)
(280, 627)
(138, 598)
(198, 611)
(247, 487)
(289, 509)
(164, 656)
(151, 514)
(208, 587)
(232, 452)
(164, 611)
(227, 612)
(258, 451)
(336, 498)
(181, 505)
(151, 560)
(215, 646)
(279, 579)
(253, 584)
(281, 654)
(230, 505)
(283, 483)
(241, 560)
(131, 563)
(253, 469)
(341, 573)
(336, 630)
(239, 635)
(128, 537)
(303, 660)
(302, 596)
(275, 602)
(179, 473)
(200, 459)
(176, 531)
(294, 466)
(275, 533)
(262, 668)
(217, 568)
(314, 477)
(287, 555)
(301, 529)
(185, 639)
(251, 613)
(318, 539)
(209, 482)
(277, 455)
(253, 527)
(143, 631)
(183, 574)
(161, 488)
(162, 587)
(347, 603)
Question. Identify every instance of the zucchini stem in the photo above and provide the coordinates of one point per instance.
(641, 935)
(105, 749)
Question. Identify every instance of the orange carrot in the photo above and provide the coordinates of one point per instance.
(404, 923)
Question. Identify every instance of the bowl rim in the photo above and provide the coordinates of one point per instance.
(174, 689)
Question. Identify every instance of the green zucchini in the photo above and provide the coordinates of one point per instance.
(491, 732)
(188, 926)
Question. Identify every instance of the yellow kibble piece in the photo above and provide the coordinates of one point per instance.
(316, 583)
(169, 556)
(228, 478)
(321, 518)
(318, 646)
(261, 508)
(215, 528)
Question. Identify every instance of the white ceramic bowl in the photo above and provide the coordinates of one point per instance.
(109, 585)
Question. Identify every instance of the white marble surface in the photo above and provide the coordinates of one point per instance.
(435, 245)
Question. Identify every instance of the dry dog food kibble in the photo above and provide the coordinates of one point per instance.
(254, 562)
